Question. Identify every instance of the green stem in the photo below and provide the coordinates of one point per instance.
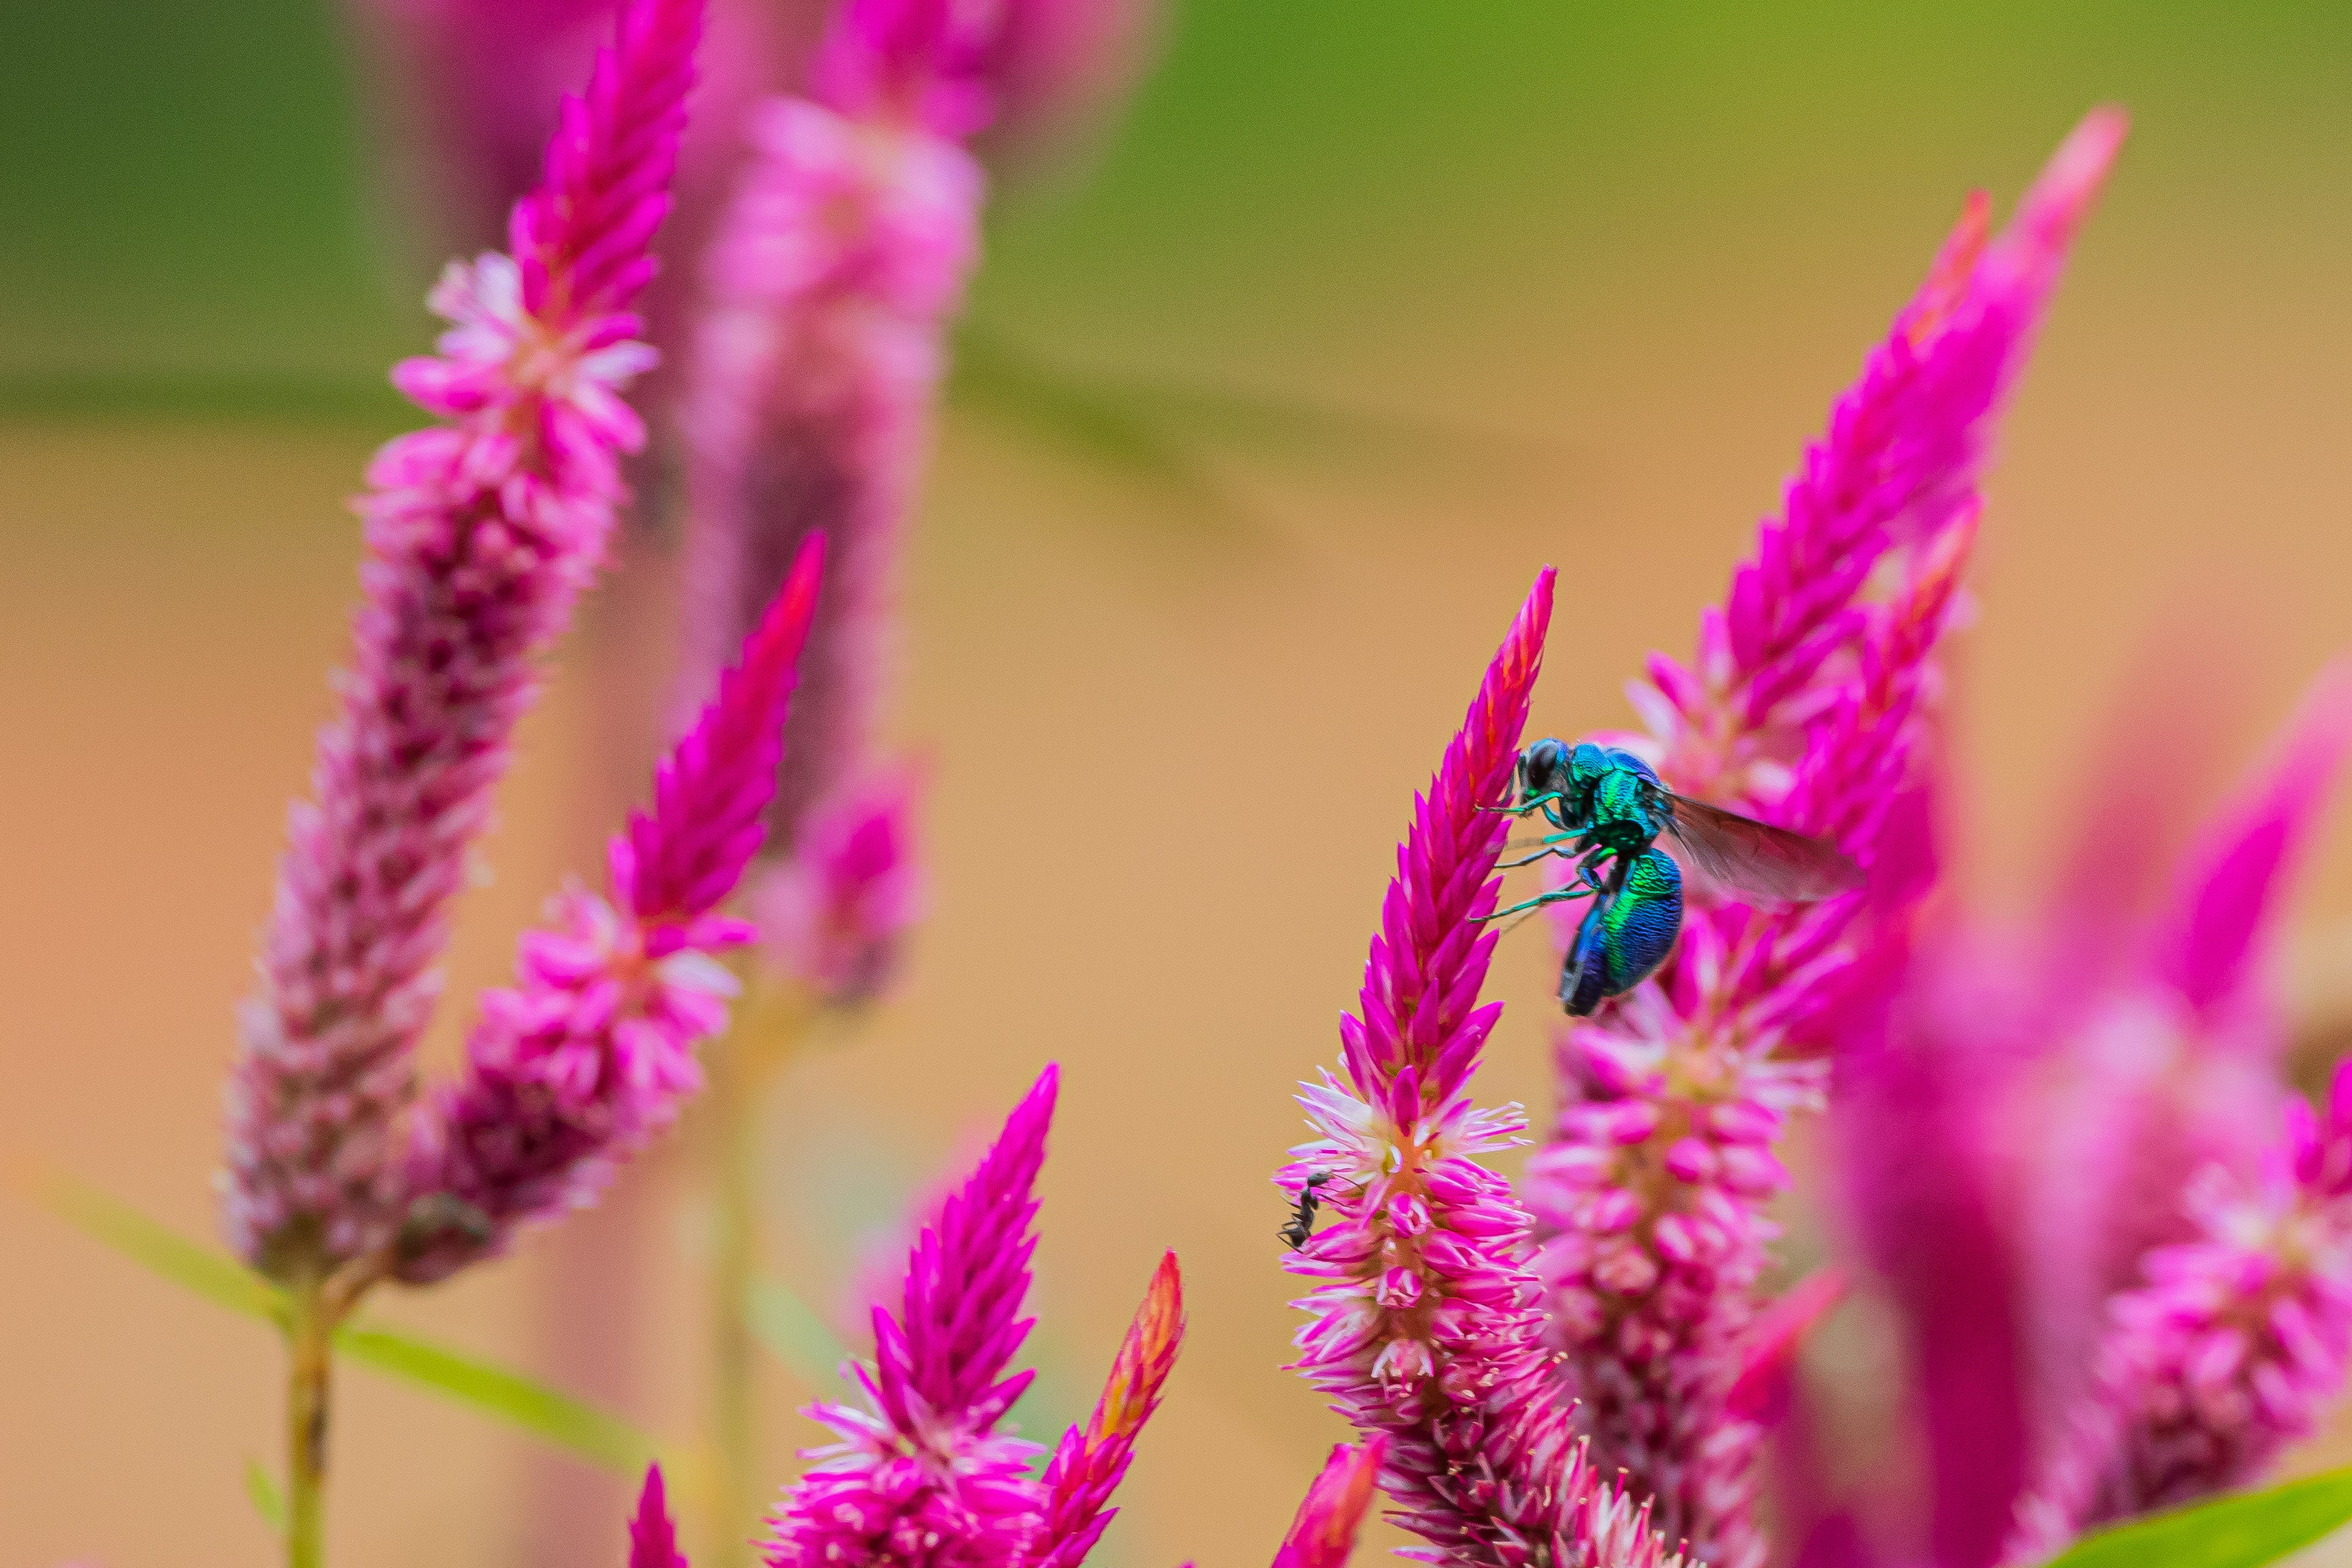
(309, 1349)
(743, 1067)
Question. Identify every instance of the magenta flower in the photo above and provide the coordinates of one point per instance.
(653, 1538)
(2229, 1351)
(1424, 1328)
(592, 1052)
(1806, 707)
(2169, 1059)
(830, 284)
(1090, 1461)
(927, 1472)
(480, 533)
(1323, 1531)
(838, 913)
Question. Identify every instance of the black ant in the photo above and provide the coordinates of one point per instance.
(1301, 1227)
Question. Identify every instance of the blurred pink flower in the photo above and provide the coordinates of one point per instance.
(1806, 706)
(2228, 1353)
(2169, 1061)
(831, 282)
(1424, 1324)
(926, 1471)
(653, 1538)
(480, 533)
(1090, 1462)
(591, 1054)
(836, 914)
(1323, 1532)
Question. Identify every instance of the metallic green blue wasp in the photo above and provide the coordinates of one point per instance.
(1610, 809)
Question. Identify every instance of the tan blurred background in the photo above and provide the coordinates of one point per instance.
(1520, 283)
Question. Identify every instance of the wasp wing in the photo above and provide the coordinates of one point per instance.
(1752, 859)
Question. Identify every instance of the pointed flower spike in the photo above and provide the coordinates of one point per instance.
(1091, 1462)
(1807, 705)
(2234, 1348)
(653, 1538)
(1422, 1326)
(2237, 875)
(712, 793)
(836, 270)
(591, 1053)
(927, 1473)
(836, 915)
(481, 535)
(1323, 1531)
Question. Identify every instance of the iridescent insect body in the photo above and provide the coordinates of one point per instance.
(1610, 809)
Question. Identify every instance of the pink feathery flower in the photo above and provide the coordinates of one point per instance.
(1652, 1193)
(926, 1472)
(653, 1538)
(2232, 1349)
(1807, 707)
(2172, 1064)
(838, 913)
(1424, 1324)
(1091, 1460)
(479, 534)
(1323, 1531)
(592, 1052)
(831, 283)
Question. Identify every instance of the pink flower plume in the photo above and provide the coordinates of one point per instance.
(711, 793)
(2234, 886)
(1323, 1532)
(1090, 1462)
(592, 1052)
(2232, 1349)
(926, 1471)
(481, 535)
(1807, 705)
(1423, 1328)
(836, 915)
(653, 1538)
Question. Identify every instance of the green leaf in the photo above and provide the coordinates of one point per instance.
(521, 1401)
(792, 1332)
(267, 1500)
(2244, 1531)
(217, 1278)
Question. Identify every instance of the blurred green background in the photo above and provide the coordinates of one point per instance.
(1361, 313)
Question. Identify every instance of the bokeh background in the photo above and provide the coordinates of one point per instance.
(1374, 308)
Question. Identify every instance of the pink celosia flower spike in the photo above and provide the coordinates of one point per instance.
(1091, 1460)
(1806, 707)
(836, 915)
(2231, 1351)
(1323, 1531)
(831, 282)
(2174, 1065)
(653, 1538)
(927, 1473)
(479, 535)
(1423, 1323)
(592, 1053)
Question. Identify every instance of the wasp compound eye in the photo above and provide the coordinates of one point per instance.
(1539, 767)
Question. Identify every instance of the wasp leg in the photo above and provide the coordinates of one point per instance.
(1558, 896)
(1531, 859)
(1522, 807)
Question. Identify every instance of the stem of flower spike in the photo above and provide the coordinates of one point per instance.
(310, 1371)
(743, 1067)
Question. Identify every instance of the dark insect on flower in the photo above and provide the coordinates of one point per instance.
(1302, 1221)
(1610, 809)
